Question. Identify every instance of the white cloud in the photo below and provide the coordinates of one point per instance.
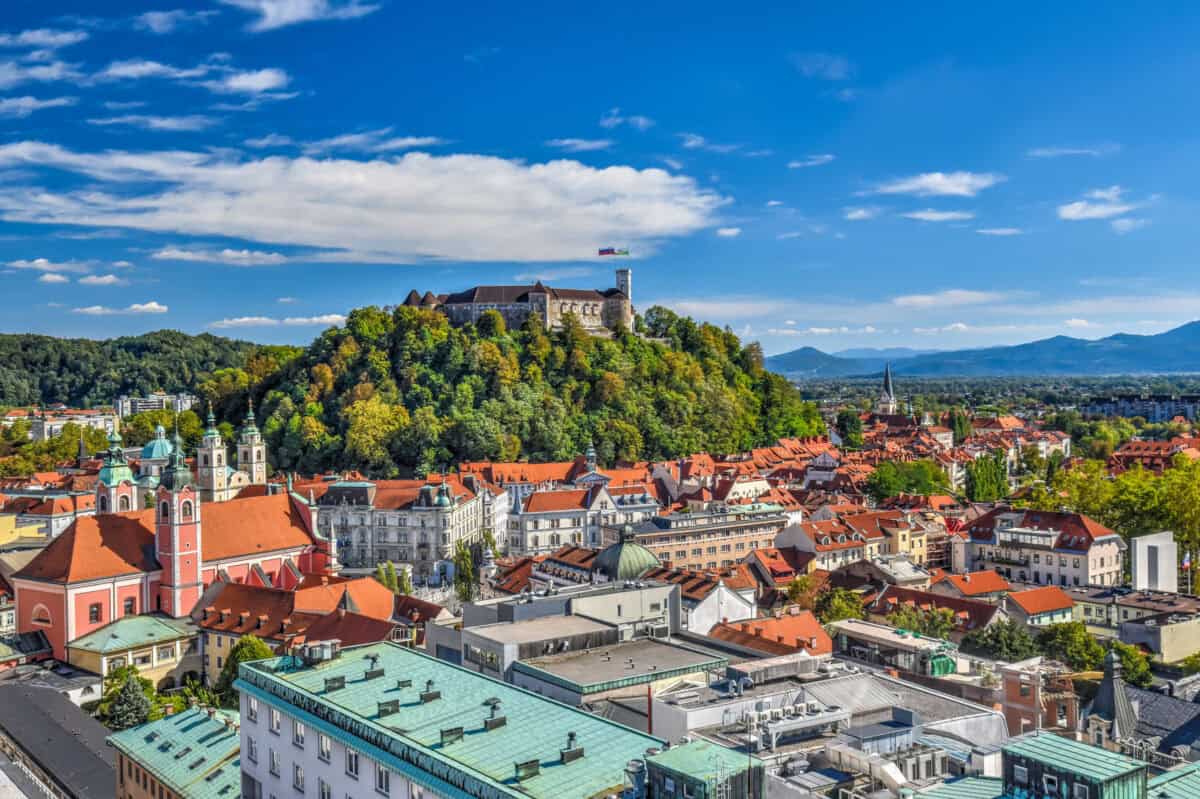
(21, 107)
(841, 330)
(1000, 231)
(811, 160)
(824, 66)
(140, 68)
(13, 73)
(934, 215)
(118, 105)
(370, 141)
(257, 81)
(673, 163)
(270, 140)
(1100, 204)
(122, 264)
(1128, 225)
(415, 207)
(190, 122)
(729, 232)
(548, 275)
(860, 213)
(324, 319)
(226, 256)
(947, 298)
(274, 14)
(102, 280)
(810, 229)
(150, 307)
(1060, 152)
(694, 141)
(580, 145)
(774, 203)
(44, 38)
(52, 277)
(1077, 323)
(163, 22)
(953, 327)
(613, 118)
(46, 265)
(287, 300)
(941, 184)
(728, 308)
(244, 321)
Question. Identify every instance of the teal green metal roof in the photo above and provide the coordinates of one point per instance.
(1078, 758)
(967, 788)
(191, 754)
(703, 760)
(1182, 783)
(157, 448)
(482, 762)
(131, 632)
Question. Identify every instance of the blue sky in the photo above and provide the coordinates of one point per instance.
(864, 177)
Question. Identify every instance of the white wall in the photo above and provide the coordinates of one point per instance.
(1155, 559)
(722, 603)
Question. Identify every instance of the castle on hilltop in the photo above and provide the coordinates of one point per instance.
(598, 310)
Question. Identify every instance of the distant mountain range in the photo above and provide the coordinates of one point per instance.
(1174, 351)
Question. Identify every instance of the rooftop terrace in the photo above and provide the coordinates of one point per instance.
(635, 662)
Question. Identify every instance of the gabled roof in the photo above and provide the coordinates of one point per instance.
(978, 583)
(1076, 531)
(970, 614)
(782, 565)
(117, 544)
(550, 501)
(1046, 599)
(130, 632)
(797, 631)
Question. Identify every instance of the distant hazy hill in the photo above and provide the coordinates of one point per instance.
(1174, 351)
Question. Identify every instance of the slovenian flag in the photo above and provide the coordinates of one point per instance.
(1187, 560)
(613, 251)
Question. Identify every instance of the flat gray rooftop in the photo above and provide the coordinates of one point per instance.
(646, 659)
(539, 629)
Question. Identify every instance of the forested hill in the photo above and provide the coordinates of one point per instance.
(403, 391)
(87, 373)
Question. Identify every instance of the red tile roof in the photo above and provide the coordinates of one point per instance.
(117, 544)
(1077, 532)
(783, 565)
(350, 629)
(978, 583)
(549, 501)
(1042, 600)
(970, 614)
(793, 631)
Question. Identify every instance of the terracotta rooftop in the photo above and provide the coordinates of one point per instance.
(1042, 600)
(794, 631)
(978, 583)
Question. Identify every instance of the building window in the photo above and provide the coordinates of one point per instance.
(129, 606)
(252, 750)
(94, 613)
(298, 776)
(165, 510)
(1080, 791)
(166, 653)
(323, 790)
(186, 511)
(1020, 775)
(352, 763)
(275, 721)
(297, 733)
(252, 709)
(324, 746)
(1050, 784)
(273, 763)
(383, 779)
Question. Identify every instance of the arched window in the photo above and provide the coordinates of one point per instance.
(164, 510)
(204, 460)
(186, 510)
(102, 505)
(41, 615)
(123, 502)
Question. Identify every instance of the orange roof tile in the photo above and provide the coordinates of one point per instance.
(791, 632)
(979, 583)
(1042, 600)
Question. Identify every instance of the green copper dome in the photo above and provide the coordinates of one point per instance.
(249, 426)
(176, 475)
(211, 431)
(116, 468)
(157, 448)
(625, 560)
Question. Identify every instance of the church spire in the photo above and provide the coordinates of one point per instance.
(888, 389)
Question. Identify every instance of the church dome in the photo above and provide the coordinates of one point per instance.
(626, 559)
(176, 475)
(157, 448)
(115, 469)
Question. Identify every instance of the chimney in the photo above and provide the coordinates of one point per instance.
(779, 638)
(324, 579)
(812, 642)
(758, 631)
(724, 620)
(262, 621)
(893, 673)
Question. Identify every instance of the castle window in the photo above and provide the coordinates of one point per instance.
(123, 503)
(186, 509)
(103, 504)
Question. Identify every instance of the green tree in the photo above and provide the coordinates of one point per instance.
(987, 478)
(838, 604)
(130, 707)
(934, 622)
(464, 573)
(799, 591)
(960, 423)
(1135, 666)
(393, 583)
(913, 477)
(1071, 643)
(850, 428)
(1191, 663)
(1005, 640)
(381, 575)
(247, 648)
(404, 583)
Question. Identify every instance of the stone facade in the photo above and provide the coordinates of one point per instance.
(596, 309)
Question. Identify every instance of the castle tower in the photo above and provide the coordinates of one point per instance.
(115, 489)
(252, 452)
(625, 282)
(212, 464)
(886, 404)
(177, 540)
